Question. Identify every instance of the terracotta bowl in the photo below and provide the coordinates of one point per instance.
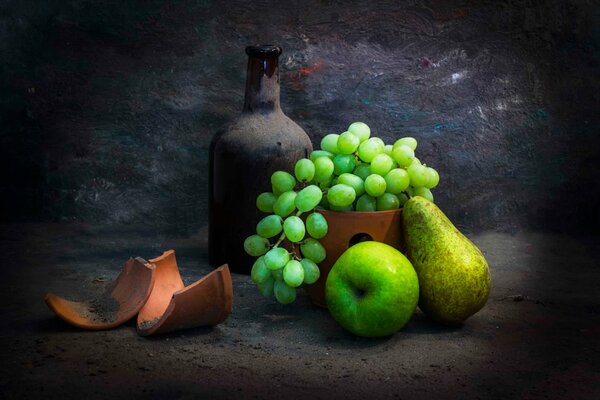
(172, 306)
(348, 228)
(121, 302)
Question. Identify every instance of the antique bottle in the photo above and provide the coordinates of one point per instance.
(243, 156)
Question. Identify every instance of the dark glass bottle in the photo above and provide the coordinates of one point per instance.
(243, 156)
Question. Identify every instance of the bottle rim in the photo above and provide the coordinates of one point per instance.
(264, 50)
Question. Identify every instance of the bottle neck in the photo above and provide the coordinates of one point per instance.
(262, 80)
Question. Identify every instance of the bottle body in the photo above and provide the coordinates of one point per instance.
(243, 156)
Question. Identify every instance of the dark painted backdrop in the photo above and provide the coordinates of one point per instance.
(107, 107)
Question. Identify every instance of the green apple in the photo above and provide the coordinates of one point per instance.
(372, 290)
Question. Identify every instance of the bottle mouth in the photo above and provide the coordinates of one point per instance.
(268, 50)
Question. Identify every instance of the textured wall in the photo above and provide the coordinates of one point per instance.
(107, 107)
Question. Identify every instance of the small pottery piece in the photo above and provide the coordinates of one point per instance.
(349, 228)
(120, 303)
(173, 306)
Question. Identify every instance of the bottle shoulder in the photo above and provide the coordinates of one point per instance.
(260, 129)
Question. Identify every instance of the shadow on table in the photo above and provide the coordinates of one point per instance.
(53, 324)
(422, 324)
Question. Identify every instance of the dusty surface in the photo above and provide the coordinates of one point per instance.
(537, 337)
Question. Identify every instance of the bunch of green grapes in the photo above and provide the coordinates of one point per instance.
(368, 175)
(279, 270)
(351, 172)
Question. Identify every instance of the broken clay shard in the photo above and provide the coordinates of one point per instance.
(172, 306)
(128, 294)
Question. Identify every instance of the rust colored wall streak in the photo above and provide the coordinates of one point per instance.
(107, 108)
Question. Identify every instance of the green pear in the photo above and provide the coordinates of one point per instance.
(454, 277)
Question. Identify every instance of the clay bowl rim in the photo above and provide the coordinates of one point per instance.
(360, 214)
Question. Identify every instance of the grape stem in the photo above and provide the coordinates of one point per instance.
(303, 184)
(279, 240)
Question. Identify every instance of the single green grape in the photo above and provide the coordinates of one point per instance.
(316, 225)
(293, 273)
(277, 274)
(397, 180)
(313, 250)
(276, 258)
(308, 198)
(418, 175)
(256, 246)
(294, 229)
(433, 178)
(387, 201)
(361, 130)
(260, 272)
(269, 226)
(320, 153)
(362, 171)
(304, 170)
(283, 293)
(403, 155)
(266, 288)
(324, 203)
(387, 149)
(366, 203)
(323, 169)
(402, 199)
(311, 271)
(326, 184)
(382, 164)
(348, 143)
(329, 143)
(343, 163)
(375, 185)
(370, 148)
(423, 192)
(341, 195)
(408, 141)
(379, 140)
(265, 201)
(282, 181)
(285, 204)
(353, 181)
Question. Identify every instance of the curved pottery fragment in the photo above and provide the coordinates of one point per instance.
(121, 302)
(173, 306)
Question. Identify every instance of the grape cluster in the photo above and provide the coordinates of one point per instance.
(279, 270)
(362, 173)
(351, 172)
